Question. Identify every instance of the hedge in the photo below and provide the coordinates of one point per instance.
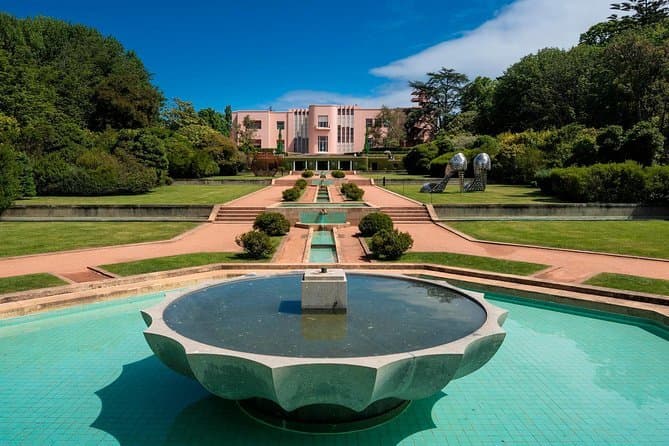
(613, 183)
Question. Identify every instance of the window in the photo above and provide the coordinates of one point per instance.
(322, 143)
(377, 122)
(338, 133)
(323, 121)
(257, 142)
(369, 122)
(280, 125)
(257, 125)
(351, 134)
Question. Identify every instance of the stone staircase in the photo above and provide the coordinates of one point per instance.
(238, 214)
(413, 214)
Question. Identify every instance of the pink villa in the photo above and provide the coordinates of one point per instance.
(317, 130)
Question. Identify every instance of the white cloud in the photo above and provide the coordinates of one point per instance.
(521, 28)
(394, 94)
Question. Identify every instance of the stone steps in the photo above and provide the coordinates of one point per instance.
(414, 214)
(241, 214)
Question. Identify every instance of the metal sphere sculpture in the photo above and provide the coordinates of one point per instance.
(458, 162)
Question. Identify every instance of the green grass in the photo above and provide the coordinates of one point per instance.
(630, 283)
(242, 177)
(29, 282)
(473, 262)
(395, 176)
(175, 262)
(494, 194)
(21, 238)
(174, 194)
(642, 238)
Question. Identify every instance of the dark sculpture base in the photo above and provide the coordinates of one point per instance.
(323, 418)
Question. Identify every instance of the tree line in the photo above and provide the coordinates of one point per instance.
(79, 115)
(606, 100)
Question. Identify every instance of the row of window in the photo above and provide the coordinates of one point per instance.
(345, 112)
(344, 134)
(257, 125)
(322, 123)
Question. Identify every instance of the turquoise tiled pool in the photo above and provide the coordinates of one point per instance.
(86, 376)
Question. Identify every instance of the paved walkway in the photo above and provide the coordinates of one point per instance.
(566, 266)
(205, 238)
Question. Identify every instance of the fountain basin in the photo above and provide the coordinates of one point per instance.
(402, 339)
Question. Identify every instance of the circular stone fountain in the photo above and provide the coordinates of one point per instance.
(392, 339)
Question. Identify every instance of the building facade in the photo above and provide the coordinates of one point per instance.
(319, 129)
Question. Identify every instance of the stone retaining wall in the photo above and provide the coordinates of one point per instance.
(550, 210)
(139, 212)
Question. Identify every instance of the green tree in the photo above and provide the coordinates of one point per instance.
(644, 12)
(245, 135)
(227, 121)
(213, 119)
(477, 98)
(145, 147)
(10, 188)
(392, 132)
(438, 99)
(180, 114)
(644, 143)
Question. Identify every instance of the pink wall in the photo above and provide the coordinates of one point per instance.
(268, 133)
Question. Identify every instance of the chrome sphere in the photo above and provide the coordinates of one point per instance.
(458, 162)
(482, 161)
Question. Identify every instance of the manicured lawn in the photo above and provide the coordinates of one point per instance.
(174, 194)
(396, 176)
(21, 238)
(630, 283)
(473, 262)
(494, 194)
(28, 282)
(646, 238)
(176, 262)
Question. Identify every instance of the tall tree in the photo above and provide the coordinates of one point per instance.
(179, 114)
(389, 128)
(227, 120)
(213, 119)
(644, 12)
(438, 98)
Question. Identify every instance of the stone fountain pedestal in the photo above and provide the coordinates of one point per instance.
(324, 291)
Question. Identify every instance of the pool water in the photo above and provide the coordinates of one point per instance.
(86, 376)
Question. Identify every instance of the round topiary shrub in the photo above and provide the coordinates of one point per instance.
(272, 223)
(301, 184)
(390, 244)
(256, 244)
(372, 223)
(353, 192)
(337, 174)
(307, 173)
(292, 194)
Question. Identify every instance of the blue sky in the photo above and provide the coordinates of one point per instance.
(292, 53)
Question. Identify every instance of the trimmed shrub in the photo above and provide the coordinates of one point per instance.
(372, 223)
(301, 184)
(272, 223)
(613, 183)
(292, 194)
(337, 174)
(390, 244)
(307, 173)
(352, 191)
(256, 244)
(657, 184)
